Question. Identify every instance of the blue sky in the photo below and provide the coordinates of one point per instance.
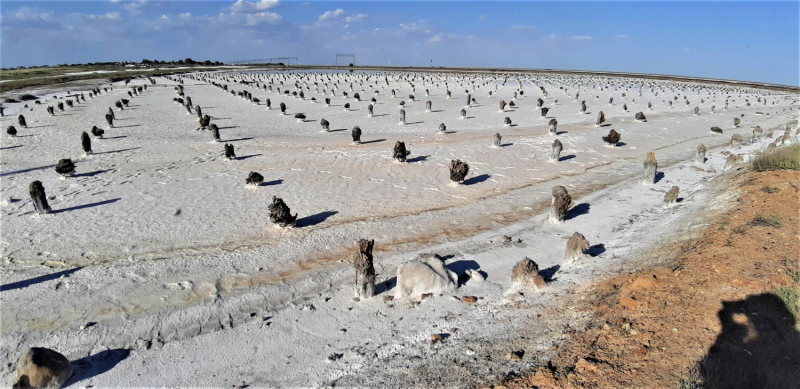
(756, 41)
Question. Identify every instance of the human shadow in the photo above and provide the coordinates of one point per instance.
(596, 249)
(90, 205)
(620, 144)
(418, 158)
(315, 219)
(476, 179)
(549, 273)
(659, 177)
(36, 280)
(91, 174)
(94, 365)
(373, 141)
(229, 127)
(10, 147)
(26, 170)
(237, 140)
(567, 157)
(337, 130)
(273, 182)
(116, 137)
(758, 347)
(132, 125)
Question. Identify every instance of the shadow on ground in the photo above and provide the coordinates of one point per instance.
(759, 346)
(36, 280)
(96, 364)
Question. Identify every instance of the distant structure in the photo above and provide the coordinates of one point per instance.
(353, 56)
(273, 60)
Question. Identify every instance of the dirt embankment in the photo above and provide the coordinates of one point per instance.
(724, 313)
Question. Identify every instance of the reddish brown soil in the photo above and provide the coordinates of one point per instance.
(709, 318)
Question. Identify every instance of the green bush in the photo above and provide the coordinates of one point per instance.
(790, 297)
(783, 159)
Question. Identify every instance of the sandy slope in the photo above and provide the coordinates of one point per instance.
(153, 277)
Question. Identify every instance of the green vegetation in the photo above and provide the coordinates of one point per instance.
(770, 189)
(763, 221)
(790, 297)
(783, 159)
(794, 274)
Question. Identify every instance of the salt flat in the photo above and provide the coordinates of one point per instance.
(180, 264)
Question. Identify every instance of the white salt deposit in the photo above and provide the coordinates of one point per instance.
(158, 240)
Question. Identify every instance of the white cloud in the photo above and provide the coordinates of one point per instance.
(620, 36)
(484, 16)
(435, 39)
(28, 14)
(554, 37)
(231, 20)
(521, 28)
(242, 6)
(355, 18)
(164, 17)
(263, 17)
(334, 20)
(133, 7)
(331, 15)
(108, 16)
(415, 28)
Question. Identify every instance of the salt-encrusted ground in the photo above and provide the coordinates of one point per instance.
(214, 295)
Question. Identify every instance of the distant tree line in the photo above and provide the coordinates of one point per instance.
(147, 62)
(187, 61)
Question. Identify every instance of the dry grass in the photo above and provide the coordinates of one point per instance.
(764, 221)
(783, 159)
